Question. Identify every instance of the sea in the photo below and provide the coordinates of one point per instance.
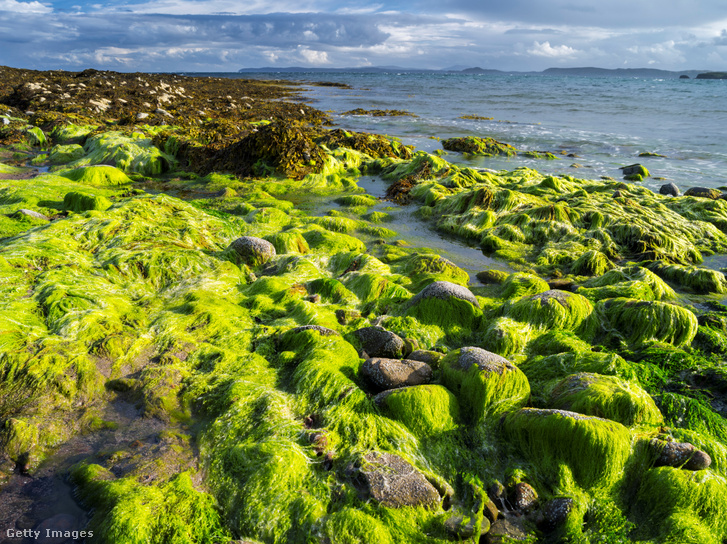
(595, 124)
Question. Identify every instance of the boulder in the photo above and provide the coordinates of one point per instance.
(394, 482)
(33, 214)
(492, 276)
(703, 192)
(462, 526)
(523, 497)
(635, 170)
(378, 342)
(424, 409)
(553, 309)
(669, 189)
(445, 290)
(484, 382)
(609, 397)
(505, 531)
(394, 373)
(432, 358)
(447, 305)
(594, 449)
(554, 514)
(252, 251)
(680, 455)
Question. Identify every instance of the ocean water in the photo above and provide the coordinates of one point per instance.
(605, 122)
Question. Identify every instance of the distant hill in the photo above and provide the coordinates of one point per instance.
(586, 71)
(712, 75)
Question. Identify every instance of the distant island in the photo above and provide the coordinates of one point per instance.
(585, 71)
(712, 75)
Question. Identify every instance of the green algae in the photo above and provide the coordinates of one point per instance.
(134, 153)
(63, 154)
(594, 449)
(552, 310)
(202, 334)
(80, 202)
(424, 409)
(521, 284)
(484, 392)
(639, 322)
(608, 397)
(126, 511)
(479, 146)
(97, 175)
(634, 278)
(682, 506)
(506, 336)
(691, 278)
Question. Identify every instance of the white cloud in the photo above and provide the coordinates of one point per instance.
(546, 50)
(314, 57)
(24, 7)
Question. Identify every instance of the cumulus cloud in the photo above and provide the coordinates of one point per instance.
(557, 52)
(24, 7)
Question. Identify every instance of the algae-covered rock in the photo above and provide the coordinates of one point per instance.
(288, 242)
(594, 449)
(633, 279)
(19, 440)
(31, 214)
(445, 304)
(464, 527)
(378, 342)
(425, 409)
(432, 358)
(703, 192)
(691, 278)
(252, 251)
(552, 309)
(394, 373)
(521, 284)
(478, 146)
(639, 322)
(635, 172)
(555, 514)
(608, 397)
(682, 506)
(591, 263)
(394, 482)
(98, 175)
(80, 202)
(63, 154)
(485, 383)
(506, 336)
(492, 276)
(680, 455)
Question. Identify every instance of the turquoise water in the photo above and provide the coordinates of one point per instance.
(606, 122)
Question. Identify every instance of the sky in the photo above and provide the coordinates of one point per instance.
(226, 35)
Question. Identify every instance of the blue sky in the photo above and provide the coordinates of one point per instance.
(225, 35)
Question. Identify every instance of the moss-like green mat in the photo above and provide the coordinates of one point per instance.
(123, 290)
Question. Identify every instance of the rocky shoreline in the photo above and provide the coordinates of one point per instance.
(195, 357)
